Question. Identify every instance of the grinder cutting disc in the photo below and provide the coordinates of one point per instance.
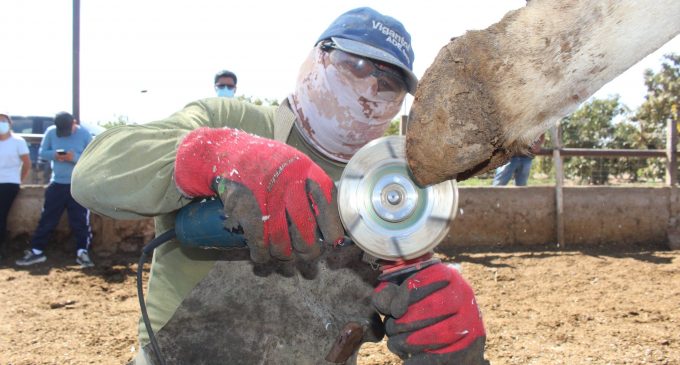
(384, 211)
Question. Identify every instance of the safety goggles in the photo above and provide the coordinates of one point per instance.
(391, 83)
(221, 86)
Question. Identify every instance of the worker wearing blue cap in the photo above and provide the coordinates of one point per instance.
(296, 287)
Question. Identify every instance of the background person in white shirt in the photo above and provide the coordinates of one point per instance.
(14, 167)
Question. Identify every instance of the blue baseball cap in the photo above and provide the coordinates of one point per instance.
(367, 33)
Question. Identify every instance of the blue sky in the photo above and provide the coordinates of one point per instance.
(172, 49)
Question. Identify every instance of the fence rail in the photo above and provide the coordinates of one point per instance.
(670, 154)
(589, 152)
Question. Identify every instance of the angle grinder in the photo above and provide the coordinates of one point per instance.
(382, 210)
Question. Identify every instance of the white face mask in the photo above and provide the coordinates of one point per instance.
(4, 127)
(336, 113)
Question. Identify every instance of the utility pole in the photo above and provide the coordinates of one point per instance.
(76, 60)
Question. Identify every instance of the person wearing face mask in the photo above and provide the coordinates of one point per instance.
(225, 84)
(15, 165)
(285, 298)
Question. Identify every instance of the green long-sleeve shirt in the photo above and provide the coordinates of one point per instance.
(127, 173)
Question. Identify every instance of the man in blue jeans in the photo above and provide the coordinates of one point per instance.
(62, 144)
(519, 167)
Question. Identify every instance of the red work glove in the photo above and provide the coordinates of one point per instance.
(432, 318)
(283, 201)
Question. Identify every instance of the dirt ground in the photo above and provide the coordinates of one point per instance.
(540, 305)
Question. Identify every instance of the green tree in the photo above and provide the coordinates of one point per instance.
(120, 120)
(659, 107)
(627, 135)
(393, 129)
(258, 101)
(591, 126)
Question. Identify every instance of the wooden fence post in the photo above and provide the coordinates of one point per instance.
(556, 135)
(671, 153)
(673, 230)
(403, 123)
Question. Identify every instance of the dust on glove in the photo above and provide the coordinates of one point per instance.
(283, 201)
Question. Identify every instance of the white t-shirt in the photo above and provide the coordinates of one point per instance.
(10, 162)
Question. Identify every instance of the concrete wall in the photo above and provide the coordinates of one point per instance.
(486, 217)
(592, 216)
(108, 235)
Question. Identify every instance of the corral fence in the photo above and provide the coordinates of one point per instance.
(558, 152)
(585, 198)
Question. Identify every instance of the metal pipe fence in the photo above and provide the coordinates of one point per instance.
(558, 152)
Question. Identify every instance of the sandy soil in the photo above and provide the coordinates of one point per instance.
(541, 306)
